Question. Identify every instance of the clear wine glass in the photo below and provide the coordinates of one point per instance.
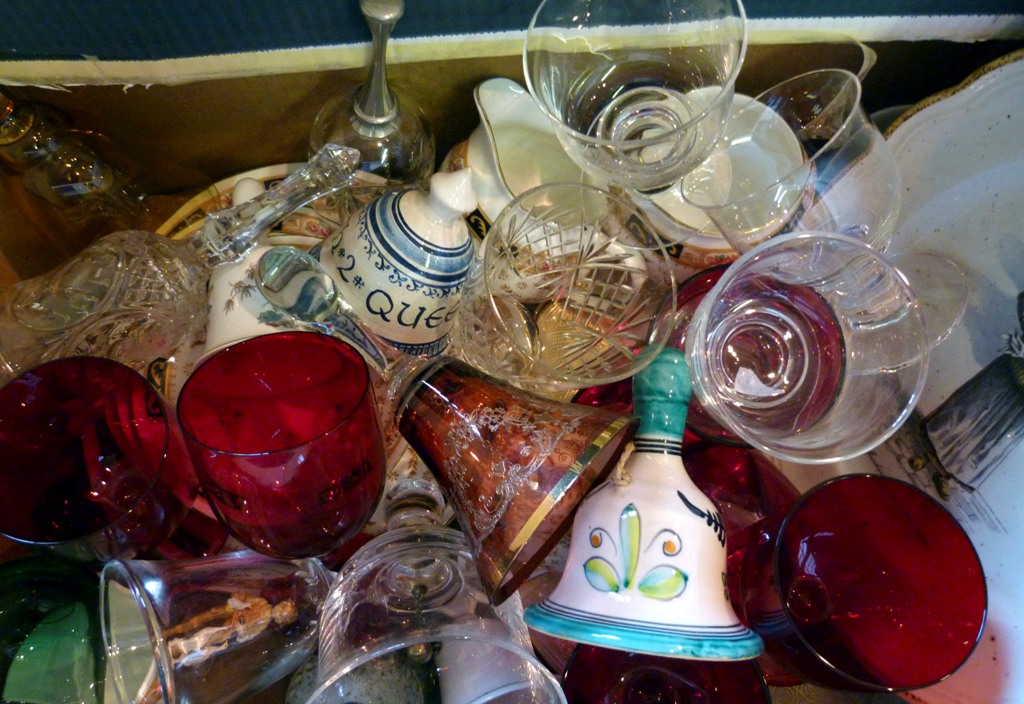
(213, 629)
(639, 91)
(811, 347)
(942, 287)
(408, 620)
(804, 156)
(136, 296)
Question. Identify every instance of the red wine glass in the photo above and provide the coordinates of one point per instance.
(284, 432)
(94, 463)
(597, 675)
(748, 490)
(867, 584)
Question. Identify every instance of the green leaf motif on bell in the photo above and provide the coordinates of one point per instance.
(601, 575)
(661, 582)
(629, 533)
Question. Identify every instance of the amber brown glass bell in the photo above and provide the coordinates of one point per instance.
(513, 465)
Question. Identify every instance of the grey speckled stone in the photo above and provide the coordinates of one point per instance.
(385, 680)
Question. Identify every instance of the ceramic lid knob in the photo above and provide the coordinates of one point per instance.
(452, 193)
(436, 216)
(246, 189)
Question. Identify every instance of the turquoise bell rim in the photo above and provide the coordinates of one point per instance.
(711, 643)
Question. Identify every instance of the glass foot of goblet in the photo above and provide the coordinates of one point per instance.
(942, 288)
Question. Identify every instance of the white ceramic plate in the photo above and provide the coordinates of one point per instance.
(961, 158)
(684, 223)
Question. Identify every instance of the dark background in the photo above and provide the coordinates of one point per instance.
(160, 29)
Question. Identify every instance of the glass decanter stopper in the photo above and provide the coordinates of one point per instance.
(73, 192)
(296, 284)
(389, 130)
(135, 296)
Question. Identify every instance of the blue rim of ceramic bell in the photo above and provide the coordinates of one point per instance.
(441, 266)
(733, 642)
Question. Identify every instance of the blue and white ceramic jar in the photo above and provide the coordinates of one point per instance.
(402, 261)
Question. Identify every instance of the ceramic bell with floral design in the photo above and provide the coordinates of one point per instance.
(646, 565)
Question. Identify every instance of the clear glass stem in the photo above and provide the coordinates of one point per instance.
(414, 502)
(226, 235)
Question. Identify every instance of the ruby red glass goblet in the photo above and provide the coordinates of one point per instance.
(94, 466)
(867, 584)
(285, 436)
(748, 490)
(597, 675)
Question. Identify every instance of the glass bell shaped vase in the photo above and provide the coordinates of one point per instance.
(647, 556)
(514, 466)
(407, 621)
